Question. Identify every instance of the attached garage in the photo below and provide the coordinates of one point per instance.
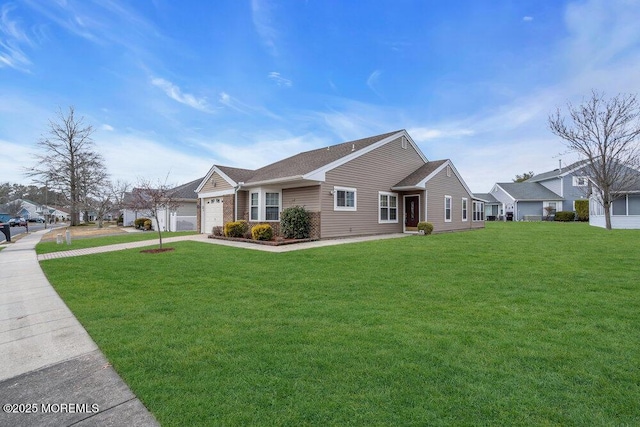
(212, 212)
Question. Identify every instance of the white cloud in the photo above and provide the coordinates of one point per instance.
(175, 93)
(279, 80)
(263, 21)
(425, 134)
(130, 157)
(527, 18)
(261, 149)
(11, 37)
(372, 81)
(107, 127)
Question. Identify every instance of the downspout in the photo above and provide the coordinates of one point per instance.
(235, 200)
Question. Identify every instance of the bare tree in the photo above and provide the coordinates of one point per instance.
(605, 133)
(156, 199)
(69, 163)
(13, 208)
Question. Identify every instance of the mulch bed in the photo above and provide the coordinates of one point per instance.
(278, 241)
(157, 250)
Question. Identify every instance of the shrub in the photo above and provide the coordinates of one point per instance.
(139, 222)
(295, 223)
(147, 224)
(582, 210)
(565, 216)
(236, 229)
(217, 231)
(427, 227)
(262, 232)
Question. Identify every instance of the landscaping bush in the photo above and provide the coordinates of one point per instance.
(262, 232)
(295, 223)
(139, 222)
(147, 224)
(236, 229)
(427, 227)
(565, 216)
(582, 210)
(217, 231)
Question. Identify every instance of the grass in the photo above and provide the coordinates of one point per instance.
(517, 324)
(90, 242)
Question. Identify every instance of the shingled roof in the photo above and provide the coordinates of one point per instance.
(310, 161)
(529, 191)
(419, 174)
(557, 172)
(187, 191)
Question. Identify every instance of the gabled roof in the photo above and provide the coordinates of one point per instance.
(419, 178)
(486, 197)
(556, 173)
(236, 174)
(302, 164)
(188, 190)
(309, 165)
(528, 191)
(414, 178)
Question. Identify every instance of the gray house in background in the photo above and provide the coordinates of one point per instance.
(544, 194)
(376, 185)
(492, 207)
(184, 218)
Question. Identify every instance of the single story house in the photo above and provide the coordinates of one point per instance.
(376, 185)
(183, 218)
(625, 210)
(492, 207)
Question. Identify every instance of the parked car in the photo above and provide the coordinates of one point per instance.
(18, 221)
(38, 219)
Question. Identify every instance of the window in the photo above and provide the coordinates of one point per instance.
(255, 209)
(464, 208)
(549, 208)
(447, 208)
(388, 207)
(264, 205)
(580, 181)
(478, 211)
(344, 199)
(272, 206)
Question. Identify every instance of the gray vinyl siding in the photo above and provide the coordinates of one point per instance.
(187, 209)
(554, 184)
(529, 208)
(370, 173)
(634, 205)
(502, 196)
(307, 197)
(571, 193)
(440, 186)
(220, 184)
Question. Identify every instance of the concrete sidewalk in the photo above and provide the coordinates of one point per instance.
(204, 239)
(50, 365)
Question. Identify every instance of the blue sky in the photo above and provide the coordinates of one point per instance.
(175, 87)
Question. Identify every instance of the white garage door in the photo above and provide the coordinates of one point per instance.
(212, 214)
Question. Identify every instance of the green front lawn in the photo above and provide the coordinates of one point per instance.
(517, 324)
(91, 242)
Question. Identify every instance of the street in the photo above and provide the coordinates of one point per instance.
(16, 231)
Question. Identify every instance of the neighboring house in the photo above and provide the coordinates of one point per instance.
(542, 195)
(32, 210)
(526, 201)
(184, 218)
(625, 211)
(376, 185)
(492, 207)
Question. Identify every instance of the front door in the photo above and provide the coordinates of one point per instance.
(411, 211)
